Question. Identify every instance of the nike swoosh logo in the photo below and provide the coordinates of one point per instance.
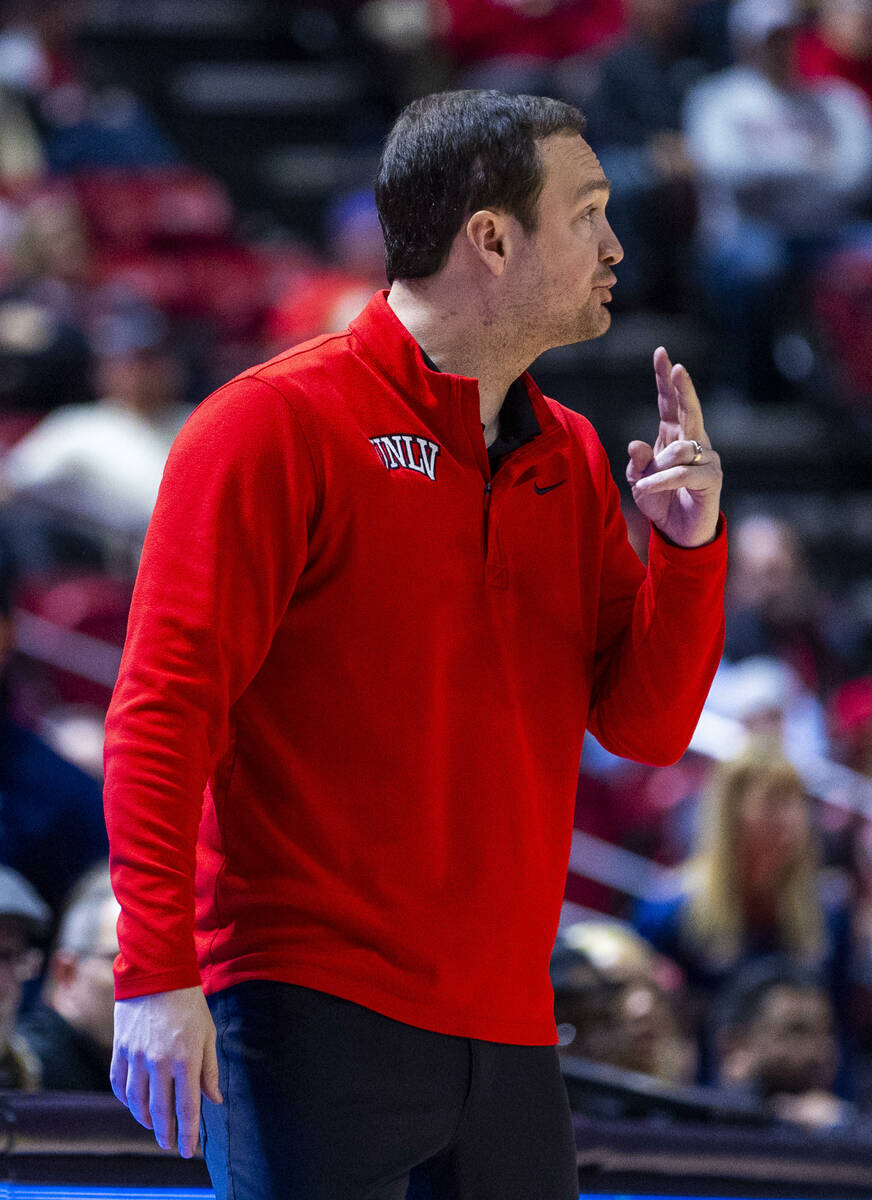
(550, 488)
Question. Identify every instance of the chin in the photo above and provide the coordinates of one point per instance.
(584, 327)
(595, 325)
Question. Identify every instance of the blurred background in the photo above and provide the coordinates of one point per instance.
(186, 189)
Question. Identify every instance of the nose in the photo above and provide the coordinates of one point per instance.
(611, 250)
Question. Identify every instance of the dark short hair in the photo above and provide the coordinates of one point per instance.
(451, 153)
(742, 1000)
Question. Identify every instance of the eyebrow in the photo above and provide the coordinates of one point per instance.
(593, 185)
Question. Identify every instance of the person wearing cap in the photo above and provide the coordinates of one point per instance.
(783, 165)
(24, 921)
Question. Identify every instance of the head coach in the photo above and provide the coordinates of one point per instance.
(385, 589)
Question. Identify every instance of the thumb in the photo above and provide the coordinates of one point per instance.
(641, 457)
(209, 1074)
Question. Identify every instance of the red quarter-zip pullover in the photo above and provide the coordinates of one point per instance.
(379, 662)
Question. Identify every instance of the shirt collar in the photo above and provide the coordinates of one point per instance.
(517, 422)
(385, 341)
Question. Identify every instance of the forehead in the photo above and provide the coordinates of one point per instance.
(789, 1004)
(775, 790)
(570, 167)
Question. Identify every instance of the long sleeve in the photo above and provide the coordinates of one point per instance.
(225, 547)
(660, 635)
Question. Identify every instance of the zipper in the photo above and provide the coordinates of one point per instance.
(488, 489)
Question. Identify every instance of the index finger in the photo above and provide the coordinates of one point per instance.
(187, 1087)
(689, 408)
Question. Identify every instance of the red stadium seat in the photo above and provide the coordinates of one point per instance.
(135, 209)
(78, 668)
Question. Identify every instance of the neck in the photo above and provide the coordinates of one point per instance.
(471, 339)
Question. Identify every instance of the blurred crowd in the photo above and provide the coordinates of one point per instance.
(729, 944)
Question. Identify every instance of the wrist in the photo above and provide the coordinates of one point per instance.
(695, 544)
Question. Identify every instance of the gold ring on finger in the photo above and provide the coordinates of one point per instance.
(697, 451)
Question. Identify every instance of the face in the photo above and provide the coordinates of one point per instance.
(87, 983)
(657, 18)
(773, 823)
(149, 380)
(847, 26)
(765, 562)
(17, 964)
(791, 1045)
(562, 272)
(627, 1023)
(777, 55)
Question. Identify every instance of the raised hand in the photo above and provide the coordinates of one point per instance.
(676, 482)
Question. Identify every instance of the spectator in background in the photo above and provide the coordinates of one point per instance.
(783, 165)
(83, 126)
(71, 1030)
(616, 1002)
(22, 162)
(51, 819)
(54, 257)
(634, 118)
(326, 300)
(775, 608)
(24, 921)
(752, 886)
(102, 463)
(839, 46)
(518, 45)
(771, 701)
(35, 44)
(774, 1029)
(46, 304)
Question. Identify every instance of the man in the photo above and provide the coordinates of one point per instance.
(71, 1031)
(99, 465)
(773, 154)
(616, 1001)
(24, 922)
(776, 1039)
(386, 585)
(635, 115)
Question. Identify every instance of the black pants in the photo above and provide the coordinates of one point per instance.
(326, 1100)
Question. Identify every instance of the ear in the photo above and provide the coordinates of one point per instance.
(487, 233)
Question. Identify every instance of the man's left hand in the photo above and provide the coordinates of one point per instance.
(676, 482)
